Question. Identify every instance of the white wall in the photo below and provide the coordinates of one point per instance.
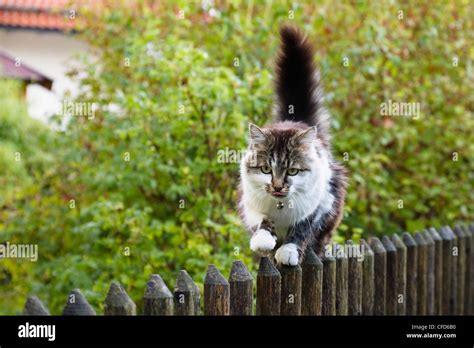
(50, 53)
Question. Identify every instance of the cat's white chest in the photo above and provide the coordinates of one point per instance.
(283, 218)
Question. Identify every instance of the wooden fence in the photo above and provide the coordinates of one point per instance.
(429, 273)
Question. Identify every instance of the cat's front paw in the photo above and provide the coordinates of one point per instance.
(287, 254)
(262, 241)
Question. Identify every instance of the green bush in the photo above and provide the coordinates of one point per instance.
(138, 188)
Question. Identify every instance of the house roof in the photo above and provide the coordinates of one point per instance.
(38, 14)
(9, 69)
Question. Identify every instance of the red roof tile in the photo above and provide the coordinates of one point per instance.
(29, 5)
(35, 20)
(40, 14)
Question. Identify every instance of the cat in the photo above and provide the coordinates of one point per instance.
(291, 188)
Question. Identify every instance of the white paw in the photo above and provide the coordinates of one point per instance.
(287, 254)
(262, 240)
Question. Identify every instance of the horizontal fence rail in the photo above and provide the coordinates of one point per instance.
(428, 273)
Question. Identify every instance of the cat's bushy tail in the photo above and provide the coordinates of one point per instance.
(299, 94)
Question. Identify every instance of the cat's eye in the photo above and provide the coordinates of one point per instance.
(266, 169)
(292, 171)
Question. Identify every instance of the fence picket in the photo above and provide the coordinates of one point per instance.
(438, 274)
(268, 288)
(367, 279)
(354, 300)
(391, 277)
(158, 299)
(380, 276)
(312, 284)
(401, 274)
(241, 289)
(329, 286)
(412, 269)
(118, 302)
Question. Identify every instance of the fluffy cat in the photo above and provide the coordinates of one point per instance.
(292, 190)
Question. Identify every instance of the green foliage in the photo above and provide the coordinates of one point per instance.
(137, 189)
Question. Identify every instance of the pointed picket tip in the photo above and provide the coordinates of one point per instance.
(388, 244)
(376, 245)
(398, 242)
(310, 258)
(408, 239)
(156, 288)
(419, 239)
(267, 267)
(428, 238)
(239, 272)
(34, 306)
(446, 233)
(450, 230)
(434, 234)
(214, 277)
(76, 304)
(459, 231)
(117, 298)
(367, 249)
(184, 282)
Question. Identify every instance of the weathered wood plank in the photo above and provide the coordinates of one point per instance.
(290, 290)
(216, 293)
(392, 276)
(453, 301)
(412, 269)
(367, 279)
(380, 276)
(118, 302)
(438, 274)
(329, 286)
(355, 275)
(312, 284)
(34, 306)
(461, 269)
(185, 296)
(447, 269)
(158, 299)
(342, 290)
(268, 288)
(76, 304)
(241, 289)
(422, 274)
(401, 274)
(469, 277)
(430, 269)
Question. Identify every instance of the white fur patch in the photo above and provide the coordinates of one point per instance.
(262, 240)
(287, 254)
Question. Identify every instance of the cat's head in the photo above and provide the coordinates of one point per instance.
(282, 160)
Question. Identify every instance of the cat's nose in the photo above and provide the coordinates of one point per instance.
(278, 191)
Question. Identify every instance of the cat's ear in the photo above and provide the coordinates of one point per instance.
(256, 134)
(307, 136)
